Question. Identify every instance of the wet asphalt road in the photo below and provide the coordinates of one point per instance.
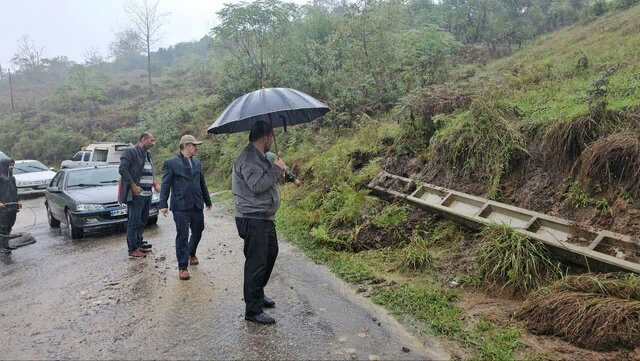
(84, 299)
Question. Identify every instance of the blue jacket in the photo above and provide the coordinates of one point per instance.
(187, 185)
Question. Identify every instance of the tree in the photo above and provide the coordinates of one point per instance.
(251, 31)
(147, 21)
(92, 57)
(29, 56)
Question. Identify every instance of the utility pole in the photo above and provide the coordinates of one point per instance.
(13, 109)
(1, 72)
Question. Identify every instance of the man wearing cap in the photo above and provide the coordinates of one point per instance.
(182, 176)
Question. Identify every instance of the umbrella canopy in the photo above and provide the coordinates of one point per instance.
(279, 106)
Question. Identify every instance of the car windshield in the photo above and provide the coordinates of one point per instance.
(94, 177)
(29, 167)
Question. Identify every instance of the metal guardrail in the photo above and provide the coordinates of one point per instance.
(596, 249)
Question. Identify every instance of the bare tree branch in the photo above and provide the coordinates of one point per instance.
(28, 56)
(147, 21)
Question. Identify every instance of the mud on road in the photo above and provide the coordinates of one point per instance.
(84, 299)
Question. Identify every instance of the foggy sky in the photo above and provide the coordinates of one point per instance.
(73, 27)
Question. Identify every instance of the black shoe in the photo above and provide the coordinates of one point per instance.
(146, 245)
(261, 318)
(268, 303)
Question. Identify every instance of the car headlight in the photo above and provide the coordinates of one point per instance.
(155, 197)
(89, 207)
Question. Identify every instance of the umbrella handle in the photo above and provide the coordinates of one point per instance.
(275, 143)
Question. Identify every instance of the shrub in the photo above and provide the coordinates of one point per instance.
(415, 256)
(392, 215)
(513, 261)
(481, 142)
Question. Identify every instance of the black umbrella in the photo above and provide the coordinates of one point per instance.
(280, 107)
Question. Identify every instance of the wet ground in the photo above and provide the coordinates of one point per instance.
(84, 299)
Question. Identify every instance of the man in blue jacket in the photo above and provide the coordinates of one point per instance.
(182, 177)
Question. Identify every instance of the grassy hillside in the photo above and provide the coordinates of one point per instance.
(527, 129)
(547, 83)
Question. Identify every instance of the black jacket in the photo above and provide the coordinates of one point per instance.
(8, 189)
(131, 166)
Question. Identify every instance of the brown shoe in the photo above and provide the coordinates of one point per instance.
(193, 260)
(184, 274)
(144, 250)
(137, 254)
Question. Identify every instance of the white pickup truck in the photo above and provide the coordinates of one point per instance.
(96, 154)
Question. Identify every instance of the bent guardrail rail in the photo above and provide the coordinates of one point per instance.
(597, 249)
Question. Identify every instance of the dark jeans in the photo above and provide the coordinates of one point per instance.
(260, 252)
(138, 212)
(185, 247)
(7, 220)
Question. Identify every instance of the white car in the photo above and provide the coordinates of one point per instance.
(32, 176)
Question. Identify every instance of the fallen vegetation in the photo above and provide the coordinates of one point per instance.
(594, 311)
(612, 160)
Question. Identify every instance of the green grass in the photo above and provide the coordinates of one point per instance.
(392, 215)
(626, 196)
(222, 196)
(494, 342)
(577, 196)
(434, 307)
(546, 85)
(436, 310)
(417, 254)
(350, 268)
(582, 199)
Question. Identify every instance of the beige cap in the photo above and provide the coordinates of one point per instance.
(189, 139)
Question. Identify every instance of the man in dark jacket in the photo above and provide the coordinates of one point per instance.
(9, 206)
(135, 190)
(182, 177)
(254, 184)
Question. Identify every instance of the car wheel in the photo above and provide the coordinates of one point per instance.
(54, 223)
(75, 232)
(152, 220)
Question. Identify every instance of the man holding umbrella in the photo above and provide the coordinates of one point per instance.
(257, 198)
(255, 177)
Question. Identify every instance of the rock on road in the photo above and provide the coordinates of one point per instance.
(84, 299)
